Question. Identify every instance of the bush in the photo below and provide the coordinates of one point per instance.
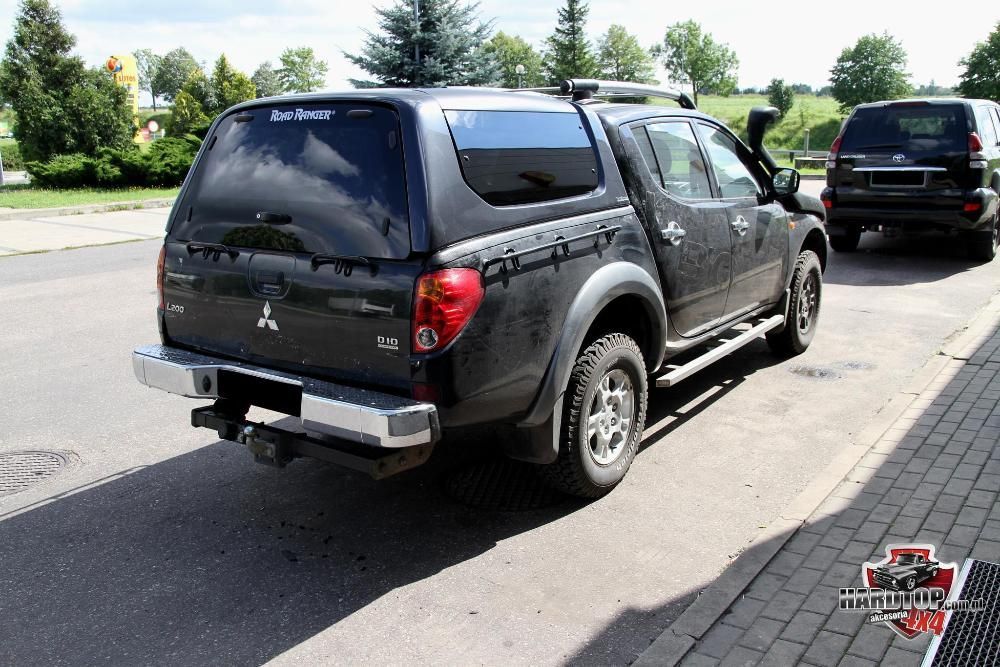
(11, 154)
(164, 165)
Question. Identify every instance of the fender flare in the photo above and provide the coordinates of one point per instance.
(543, 420)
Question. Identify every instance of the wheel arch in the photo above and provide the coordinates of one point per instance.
(621, 296)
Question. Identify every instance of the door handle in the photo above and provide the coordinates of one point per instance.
(673, 234)
(741, 225)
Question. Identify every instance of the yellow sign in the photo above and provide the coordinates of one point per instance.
(126, 72)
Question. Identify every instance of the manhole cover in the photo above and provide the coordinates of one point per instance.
(815, 372)
(19, 470)
(501, 484)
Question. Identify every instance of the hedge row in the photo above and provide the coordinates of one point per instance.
(11, 156)
(164, 165)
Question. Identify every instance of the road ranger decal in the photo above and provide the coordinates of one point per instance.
(301, 114)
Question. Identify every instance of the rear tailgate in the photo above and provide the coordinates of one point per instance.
(907, 155)
(251, 268)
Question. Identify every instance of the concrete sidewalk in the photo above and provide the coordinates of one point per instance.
(932, 477)
(38, 233)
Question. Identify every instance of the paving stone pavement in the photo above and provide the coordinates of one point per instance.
(933, 477)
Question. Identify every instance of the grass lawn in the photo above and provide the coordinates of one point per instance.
(819, 115)
(26, 196)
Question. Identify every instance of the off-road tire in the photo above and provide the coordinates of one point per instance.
(793, 339)
(576, 470)
(846, 242)
(983, 245)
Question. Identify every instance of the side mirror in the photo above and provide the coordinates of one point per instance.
(786, 182)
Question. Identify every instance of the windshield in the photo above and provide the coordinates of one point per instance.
(906, 559)
(928, 127)
(309, 178)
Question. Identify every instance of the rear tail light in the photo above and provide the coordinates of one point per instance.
(159, 275)
(835, 147)
(445, 302)
(971, 206)
(827, 198)
(975, 143)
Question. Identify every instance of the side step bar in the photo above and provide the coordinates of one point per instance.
(716, 353)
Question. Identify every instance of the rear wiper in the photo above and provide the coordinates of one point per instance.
(207, 249)
(274, 218)
(341, 263)
(879, 146)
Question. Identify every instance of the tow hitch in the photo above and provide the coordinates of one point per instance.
(277, 447)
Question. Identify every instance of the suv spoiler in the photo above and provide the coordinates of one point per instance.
(587, 89)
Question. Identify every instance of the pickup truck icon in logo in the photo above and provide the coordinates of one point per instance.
(906, 573)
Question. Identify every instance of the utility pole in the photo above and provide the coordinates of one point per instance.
(416, 41)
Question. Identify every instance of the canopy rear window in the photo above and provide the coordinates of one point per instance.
(518, 157)
(907, 128)
(324, 177)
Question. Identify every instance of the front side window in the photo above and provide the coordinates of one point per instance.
(679, 160)
(734, 177)
(518, 157)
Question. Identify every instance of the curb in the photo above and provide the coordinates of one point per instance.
(680, 636)
(29, 213)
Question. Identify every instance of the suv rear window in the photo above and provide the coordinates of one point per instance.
(918, 128)
(331, 175)
(519, 157)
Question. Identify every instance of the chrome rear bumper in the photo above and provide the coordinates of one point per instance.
(359, 415)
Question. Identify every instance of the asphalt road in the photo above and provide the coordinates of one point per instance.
(161, 544)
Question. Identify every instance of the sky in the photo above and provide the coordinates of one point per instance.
(772, 40)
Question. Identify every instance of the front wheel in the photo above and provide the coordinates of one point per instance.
(603, 418)
(803, 310)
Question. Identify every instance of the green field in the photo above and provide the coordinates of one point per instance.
(26, 196)
(819, 115)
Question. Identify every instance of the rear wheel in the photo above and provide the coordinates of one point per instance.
(983, 245)
(603, 418)
(803, 311)
(847, 242)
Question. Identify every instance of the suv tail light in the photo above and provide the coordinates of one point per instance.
(445, 302)
(831, 158)
(159, 275)
(975, 143)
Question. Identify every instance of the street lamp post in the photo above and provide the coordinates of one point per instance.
(519, 70)
(416, 41)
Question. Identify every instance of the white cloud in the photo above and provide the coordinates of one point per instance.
(796, 42)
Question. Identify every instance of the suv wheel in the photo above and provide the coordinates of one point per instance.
(803, 311)
(603, 419)
(847, 242)
(983, 245)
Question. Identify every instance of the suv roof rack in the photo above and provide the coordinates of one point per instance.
(587, 89)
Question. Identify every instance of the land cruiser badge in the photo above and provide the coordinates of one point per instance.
(266, 320)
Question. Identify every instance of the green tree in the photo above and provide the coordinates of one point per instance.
(568, 53)
(780, 96)
(61, 106)
(173, 71)
(229, 86)
(509, 51)
(300, 71)
(449, 38)
(199, 87)
(187, 115)
(981, 77)
(621, 57)
(693, 56)
(873, 69)
(148, 64)
(267, 81)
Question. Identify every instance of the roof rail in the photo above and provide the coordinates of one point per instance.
(585, 89)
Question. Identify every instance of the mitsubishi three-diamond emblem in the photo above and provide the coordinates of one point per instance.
(266, 320)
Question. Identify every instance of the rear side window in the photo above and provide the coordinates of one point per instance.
(986, 130)
(516, 157)
(915, 128)
(679, 160)
(308, 178)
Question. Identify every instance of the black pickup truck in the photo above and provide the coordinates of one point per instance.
(386, 265)
(908, 571)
